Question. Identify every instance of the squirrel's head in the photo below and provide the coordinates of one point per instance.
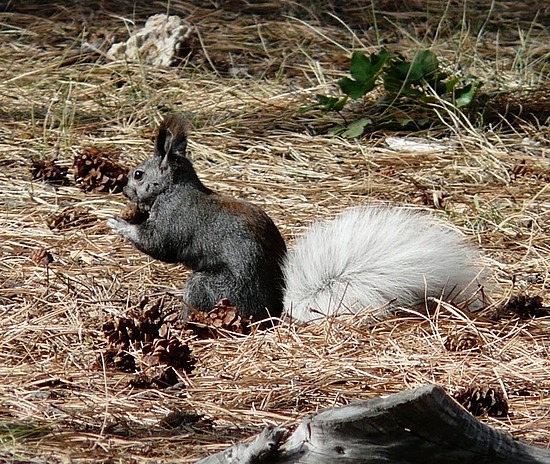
(167, 167)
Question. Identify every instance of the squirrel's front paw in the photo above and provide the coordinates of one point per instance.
(121, 227)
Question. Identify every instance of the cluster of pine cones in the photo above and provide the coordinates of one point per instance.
(145, 342)
(149, 341)
(94, 171)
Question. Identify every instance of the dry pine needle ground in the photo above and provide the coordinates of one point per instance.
(255, 64)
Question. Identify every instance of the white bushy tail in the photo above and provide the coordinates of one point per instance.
(369, 256)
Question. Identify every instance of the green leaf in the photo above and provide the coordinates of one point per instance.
(360, 67)
(331, 103)
(351, 87)
(392, 84)
(306, 109)
(356, 128)
(326, 104)
(465, 95)
(416, 72)
(339, 105)
(378, 60)
(356, 89)
(364, 72)
(425, 65)
(439, 87)
(398, 87)
(336, 130)
(451, 84)
(428, 99)
(326, 101)
(400, 71)
(404, 121)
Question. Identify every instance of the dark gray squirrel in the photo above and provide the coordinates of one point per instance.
(376, 257)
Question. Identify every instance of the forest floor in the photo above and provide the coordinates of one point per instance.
(68, 285)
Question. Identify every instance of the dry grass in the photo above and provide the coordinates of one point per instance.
(58, 403)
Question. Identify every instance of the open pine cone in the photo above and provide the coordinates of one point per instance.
(169, 352)
(96, 173)
(525, 307)
(156, 376)
(120, 360)
(69, 218)
(41, 256)
(223, 316)
(49, 171)
(481, 400)
(145, 339)
(460, 341)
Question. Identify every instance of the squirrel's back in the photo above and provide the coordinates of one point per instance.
(372, 256)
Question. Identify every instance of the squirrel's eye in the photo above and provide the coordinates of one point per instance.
(138, 175)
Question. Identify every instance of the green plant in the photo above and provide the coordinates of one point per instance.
(364, 73)
(414, 84)
(422, 78)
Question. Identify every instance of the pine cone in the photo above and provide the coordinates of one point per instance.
(96, 173)
(481, 400)
(120, 360)
(169, 352)
(121, 333)
(150, 320)
(49, 172)
(42, 257)
(223, 316)
(141, 380)
(147, 330)
(525, 307)
(178, 417)
(139, 328)
(227, 317)
(133, 214)
(69, 218)
(159, 376)
(461, 341)
(522, 169)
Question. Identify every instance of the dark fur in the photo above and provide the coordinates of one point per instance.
(233, 247)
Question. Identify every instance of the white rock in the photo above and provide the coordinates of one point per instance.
(416, 144)
(158, 43)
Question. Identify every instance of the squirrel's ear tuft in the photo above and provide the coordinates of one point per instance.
(172, 136)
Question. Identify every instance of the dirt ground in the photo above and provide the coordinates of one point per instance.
(66, 280)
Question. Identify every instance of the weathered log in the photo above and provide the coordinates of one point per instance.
(423, 425)
(264, 448)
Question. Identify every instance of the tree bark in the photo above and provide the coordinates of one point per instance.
(423, 425)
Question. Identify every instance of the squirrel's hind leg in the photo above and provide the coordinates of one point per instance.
(200, 293)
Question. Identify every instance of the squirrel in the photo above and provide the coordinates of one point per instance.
(367, 256)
